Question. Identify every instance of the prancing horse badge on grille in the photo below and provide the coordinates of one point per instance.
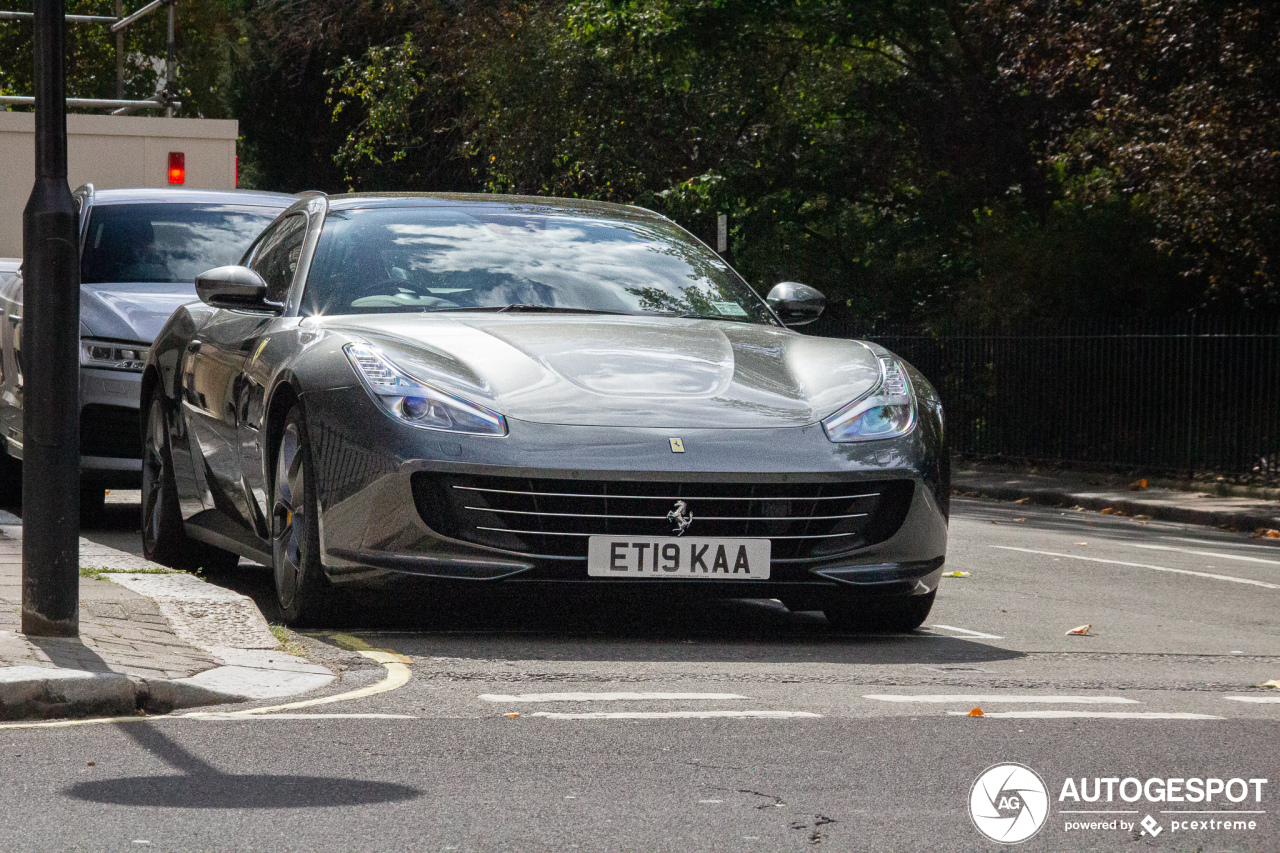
(680, 517)
(677, 445)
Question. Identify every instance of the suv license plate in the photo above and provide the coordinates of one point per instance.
(703, 558)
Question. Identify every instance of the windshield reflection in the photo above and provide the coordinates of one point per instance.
(453, 258)
(167, 242)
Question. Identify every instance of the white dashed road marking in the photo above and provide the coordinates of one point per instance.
(1208, 575)
(1101, 715)
(993, 698)
(965, 631)
(1262, 700)
(601, 697)
(1199, 553)
(671, 715)
(1274, 549)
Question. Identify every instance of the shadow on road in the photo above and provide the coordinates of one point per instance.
(200, 785)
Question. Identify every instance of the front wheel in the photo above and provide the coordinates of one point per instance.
(163, 539)
(301, 586)
(890, 615)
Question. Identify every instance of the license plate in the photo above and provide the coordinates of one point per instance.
(703, 558)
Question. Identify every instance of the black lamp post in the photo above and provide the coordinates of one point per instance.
(50, 356)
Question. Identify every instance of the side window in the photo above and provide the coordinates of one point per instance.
(276, 257)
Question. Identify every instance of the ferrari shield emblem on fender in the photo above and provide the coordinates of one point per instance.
(677, 445)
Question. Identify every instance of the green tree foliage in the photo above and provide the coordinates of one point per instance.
(1001, 160)
(204, 37)
(997, 160)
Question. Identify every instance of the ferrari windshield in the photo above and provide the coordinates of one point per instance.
(167, 242)
(476, 259)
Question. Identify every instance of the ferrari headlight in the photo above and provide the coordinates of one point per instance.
(416, 403)
(112, 355)
(888, 411)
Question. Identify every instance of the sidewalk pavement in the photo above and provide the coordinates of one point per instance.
(150, 640)
(1072, 489)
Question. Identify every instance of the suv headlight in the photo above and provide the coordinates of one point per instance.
(888, 411)
(112, 355)
(416, 403)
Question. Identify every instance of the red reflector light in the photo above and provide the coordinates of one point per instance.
(177, 167)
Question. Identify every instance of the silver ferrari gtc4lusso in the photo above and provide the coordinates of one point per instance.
(508, 390)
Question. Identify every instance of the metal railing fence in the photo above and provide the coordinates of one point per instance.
(1175, 396)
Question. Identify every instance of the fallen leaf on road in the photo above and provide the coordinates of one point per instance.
(1112, 511)
(510, 715)
(1274, 683)
(976, 712)
(957, 575)
(1142, 518)
(1081, 631)
(1081, 543)
(1266, 533)
(1138, 485)
(1023, 500)
(1019, 519)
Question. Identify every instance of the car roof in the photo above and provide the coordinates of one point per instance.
(531, 203)
(162, 195)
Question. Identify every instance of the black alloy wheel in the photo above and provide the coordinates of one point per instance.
(164, 540)
(302, 588)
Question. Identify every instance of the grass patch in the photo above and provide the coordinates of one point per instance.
(288, 640)
(96, 572)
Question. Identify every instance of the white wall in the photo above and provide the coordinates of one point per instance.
(112, 152)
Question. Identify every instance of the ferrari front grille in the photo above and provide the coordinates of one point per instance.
(552, 519)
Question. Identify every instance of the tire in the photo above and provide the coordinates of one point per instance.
(164, 540)
(302, 589)
(896, 615)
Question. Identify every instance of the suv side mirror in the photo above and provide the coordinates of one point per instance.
(237, 288)
(796, 303)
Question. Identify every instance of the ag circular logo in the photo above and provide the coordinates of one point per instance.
(1008, 803)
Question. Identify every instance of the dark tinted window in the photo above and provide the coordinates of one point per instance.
(457, 258)
(167, 242)
(276, 257)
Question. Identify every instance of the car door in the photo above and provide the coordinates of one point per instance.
(213, 383)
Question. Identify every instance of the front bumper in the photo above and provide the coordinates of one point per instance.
(110, 430)
(373, 530)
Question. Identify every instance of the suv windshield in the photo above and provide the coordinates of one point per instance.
(476, 259)
(169, 242)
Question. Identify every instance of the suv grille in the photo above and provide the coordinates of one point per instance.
(111, 431)
(551, 519)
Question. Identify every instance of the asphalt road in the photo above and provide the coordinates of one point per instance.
(532, 724)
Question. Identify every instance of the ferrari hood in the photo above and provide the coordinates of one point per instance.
(601, 370)
(130, 312)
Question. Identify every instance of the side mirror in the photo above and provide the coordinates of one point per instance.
(237, 288)
(796, 303)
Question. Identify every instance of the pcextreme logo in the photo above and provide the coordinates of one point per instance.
(1008, 803)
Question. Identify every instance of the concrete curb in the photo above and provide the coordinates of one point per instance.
(224, 624)
(33, 692)
(1236, 519)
